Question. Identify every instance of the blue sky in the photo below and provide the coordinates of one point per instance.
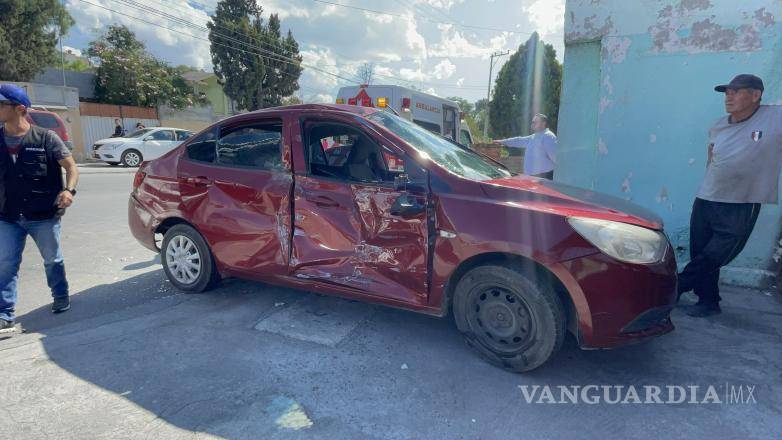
(414, 43)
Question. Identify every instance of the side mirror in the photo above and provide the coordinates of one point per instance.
(148, 138)
(400, 182)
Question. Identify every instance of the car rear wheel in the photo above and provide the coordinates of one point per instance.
(187, 260)
(131, 158)
(509, 316)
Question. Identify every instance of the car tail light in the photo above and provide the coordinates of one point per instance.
(352, 101)
(139, 179)
(382, 102)
(406, 104)
(366, 102)
(340, 101)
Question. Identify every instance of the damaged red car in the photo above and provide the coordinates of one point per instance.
(361, 203)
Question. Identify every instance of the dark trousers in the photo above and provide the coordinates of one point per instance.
(718, 232)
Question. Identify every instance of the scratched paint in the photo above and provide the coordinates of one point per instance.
(639, 78)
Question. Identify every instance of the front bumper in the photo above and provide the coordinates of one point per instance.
(620, 303)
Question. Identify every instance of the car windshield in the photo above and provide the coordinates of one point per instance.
(458, 160)
(139, 133)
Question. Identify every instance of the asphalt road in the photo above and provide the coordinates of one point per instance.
(136, 359)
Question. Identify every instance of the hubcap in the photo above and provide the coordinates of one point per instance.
(501, 319)
(183, 259)
(132, 159)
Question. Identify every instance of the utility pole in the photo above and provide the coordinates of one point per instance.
(62, 54)
(488, 92)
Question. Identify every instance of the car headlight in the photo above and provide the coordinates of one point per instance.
(628, 243)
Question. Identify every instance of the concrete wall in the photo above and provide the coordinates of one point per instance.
(638, 99)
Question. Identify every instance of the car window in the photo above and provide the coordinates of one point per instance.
(203, 147)
(464, 138)
(456, 159)
(434, 128)
(44, 120)
(163, 135)
(253, 146)
(343, 152)
(139, 133)
(182, 135)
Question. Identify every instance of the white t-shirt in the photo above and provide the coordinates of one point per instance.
(746, 159)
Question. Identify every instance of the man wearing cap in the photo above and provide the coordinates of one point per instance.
(32, 200)
(742, 172)
(540, 148)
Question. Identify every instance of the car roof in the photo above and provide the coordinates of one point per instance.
(335, 107)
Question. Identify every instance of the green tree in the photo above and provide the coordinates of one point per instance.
(257, 66)
(28, 36)
(529, 83)
(78, 65)
(128, 75)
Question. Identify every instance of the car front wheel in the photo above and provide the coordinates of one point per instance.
(131, 158)
(511, 317)
(187, 260)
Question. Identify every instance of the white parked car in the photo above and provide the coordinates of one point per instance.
(141, 145)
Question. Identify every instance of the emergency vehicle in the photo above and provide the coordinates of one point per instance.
(438, 115)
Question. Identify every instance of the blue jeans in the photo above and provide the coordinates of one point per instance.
(46, 234)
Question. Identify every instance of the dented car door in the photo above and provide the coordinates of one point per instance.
(369, 236)
(236, 189)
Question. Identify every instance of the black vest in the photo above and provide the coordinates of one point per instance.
(30, 186)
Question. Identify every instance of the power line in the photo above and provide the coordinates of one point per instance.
(182, 21)
(223, 45)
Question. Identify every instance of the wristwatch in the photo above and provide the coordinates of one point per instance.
(71, 190)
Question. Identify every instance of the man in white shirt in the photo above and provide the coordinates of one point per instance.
(742, 172)
(540, 148)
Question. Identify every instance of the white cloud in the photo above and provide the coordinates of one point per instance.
(548, 16)
(454, 44)
(460, 82)
(444, 69)
(71, 50)
(322, 98)
(412, 75)
(378, 18)
(415, 41)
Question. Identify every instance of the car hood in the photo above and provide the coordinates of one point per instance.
(567, 200)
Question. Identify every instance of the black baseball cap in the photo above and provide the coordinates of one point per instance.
(743, 81)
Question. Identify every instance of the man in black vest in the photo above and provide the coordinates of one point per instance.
(32, 200)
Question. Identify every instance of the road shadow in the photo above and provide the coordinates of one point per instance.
(144, 264)
(196, 363)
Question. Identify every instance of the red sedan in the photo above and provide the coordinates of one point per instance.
(360, 203)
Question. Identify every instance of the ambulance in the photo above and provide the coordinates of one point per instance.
(438, 115)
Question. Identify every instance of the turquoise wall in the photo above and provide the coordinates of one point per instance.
(638, 99)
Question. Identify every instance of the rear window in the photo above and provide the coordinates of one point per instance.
(434, 128)
(44, 120)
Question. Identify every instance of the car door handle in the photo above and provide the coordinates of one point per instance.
(322, 201)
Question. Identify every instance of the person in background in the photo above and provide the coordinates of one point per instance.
(118, 130)
(140, 126)
(33, 198)
(540, 154)
(742, 172)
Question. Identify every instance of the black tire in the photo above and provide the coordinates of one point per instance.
(131, 158)
(207, 276)
(512, 319)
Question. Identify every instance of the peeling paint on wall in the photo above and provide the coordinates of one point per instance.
(652, 138)
(587, 29)
(626, 183)
(662, 196)
(706, 35)
(615, 49)
(604, 103)
(601, 147)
